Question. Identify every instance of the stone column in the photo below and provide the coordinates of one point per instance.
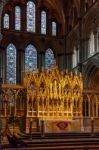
(77, 55)
(84, 49)
(80, 38)
(61, 61)
(58, 61)
(12, 20)
(41, 60)
(23, 18)
(87, 47)
(1, 64)
(20, 66)
(69, 61)
(66, 65)
(3, 67)
(38, 21)
(49, 24)
(1, 8)
(1, 59)
(22, 69)
(96, 41)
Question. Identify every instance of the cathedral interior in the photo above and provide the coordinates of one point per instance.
(49, 66)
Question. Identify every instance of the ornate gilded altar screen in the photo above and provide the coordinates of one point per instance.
(53, 94)
(12, 100)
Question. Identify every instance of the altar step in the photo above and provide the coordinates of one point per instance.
(92, 147)
(71, 143)
(59, 135)
(59, 144)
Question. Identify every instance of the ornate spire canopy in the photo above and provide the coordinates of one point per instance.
(53, 94)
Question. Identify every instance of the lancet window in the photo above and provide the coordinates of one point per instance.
(30, 58)
(11, 64)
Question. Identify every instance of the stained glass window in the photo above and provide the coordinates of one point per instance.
(30, 16)
(30, 58)
(11, 64)
(17, 18)
(43, 22)
(49, 59)
(53, 28)
(6, 21)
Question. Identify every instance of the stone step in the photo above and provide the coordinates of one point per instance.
(59, 135)
(71, 147)
(61, 141)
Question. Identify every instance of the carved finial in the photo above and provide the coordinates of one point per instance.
(66, 71)
(71, 74)
(42, 69)
(76, 72)
(80, 75)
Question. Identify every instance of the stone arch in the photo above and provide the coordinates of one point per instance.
(91, 74)
(91, 22)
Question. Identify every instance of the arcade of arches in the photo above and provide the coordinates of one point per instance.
(35, 37)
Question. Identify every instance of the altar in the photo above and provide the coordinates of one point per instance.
(62, 126)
